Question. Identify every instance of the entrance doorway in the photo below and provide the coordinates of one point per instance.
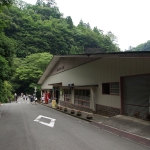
(136, 96)
(57, 96)
(56, 93)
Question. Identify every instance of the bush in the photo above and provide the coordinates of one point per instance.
(5, 91)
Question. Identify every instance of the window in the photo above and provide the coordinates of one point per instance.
(110, 88)
(82, 98)
(67, 95)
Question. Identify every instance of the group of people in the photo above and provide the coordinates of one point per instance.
(25, 97)
(32, 98)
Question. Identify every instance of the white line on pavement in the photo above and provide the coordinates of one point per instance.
(51, 124)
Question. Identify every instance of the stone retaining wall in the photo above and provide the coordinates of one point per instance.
(73, 106)
(107, 111)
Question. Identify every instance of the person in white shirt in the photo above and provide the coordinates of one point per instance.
(24, 97)
(42, 99)
(35, 99)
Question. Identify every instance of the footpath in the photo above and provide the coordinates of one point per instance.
(131, 128)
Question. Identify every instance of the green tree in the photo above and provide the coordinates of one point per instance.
(6, 53)
(69, 22)
(6, 64)
(38, 29)
(31, 32)
(98, 31)
(29, 71)
(141, 47)
(5, 3)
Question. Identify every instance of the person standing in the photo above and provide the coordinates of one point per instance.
(35, 99)
(24, 97)
(29, 96)
(42, 99)
(15, 97)
(31, 99)
(21, 94)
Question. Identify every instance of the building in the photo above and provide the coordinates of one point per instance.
(108, 83)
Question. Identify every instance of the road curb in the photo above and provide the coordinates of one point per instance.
(127, 135)
(68, 113)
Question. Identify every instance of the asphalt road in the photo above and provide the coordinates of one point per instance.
(19, 130)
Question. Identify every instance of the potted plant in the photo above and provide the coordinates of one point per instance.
(65, 109)
(72, 111)
(89, 117)
(78, 113)
(60, 108)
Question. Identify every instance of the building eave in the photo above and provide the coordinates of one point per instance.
(55, 59)
(48, 69)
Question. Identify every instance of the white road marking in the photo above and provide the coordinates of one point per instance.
(51, 124)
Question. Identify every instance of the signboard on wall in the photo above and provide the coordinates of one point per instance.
(60, 68)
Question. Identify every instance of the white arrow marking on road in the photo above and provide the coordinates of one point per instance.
(51, 124)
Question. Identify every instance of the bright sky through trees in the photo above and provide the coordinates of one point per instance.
(127, 19)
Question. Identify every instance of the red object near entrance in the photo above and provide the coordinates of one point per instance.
(46, 98)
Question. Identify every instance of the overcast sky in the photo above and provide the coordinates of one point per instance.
(129, 20)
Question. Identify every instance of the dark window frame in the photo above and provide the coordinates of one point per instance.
(107, 88)
(67, 95)
(78, 99)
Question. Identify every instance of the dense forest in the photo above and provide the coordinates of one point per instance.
(142, 47)
(31, 34)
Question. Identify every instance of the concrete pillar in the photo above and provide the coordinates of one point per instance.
(41, 94)
(72, 96)
(61, 97)
(92, 97)
(53, 93)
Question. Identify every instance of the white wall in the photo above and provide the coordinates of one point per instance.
(100, 71)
